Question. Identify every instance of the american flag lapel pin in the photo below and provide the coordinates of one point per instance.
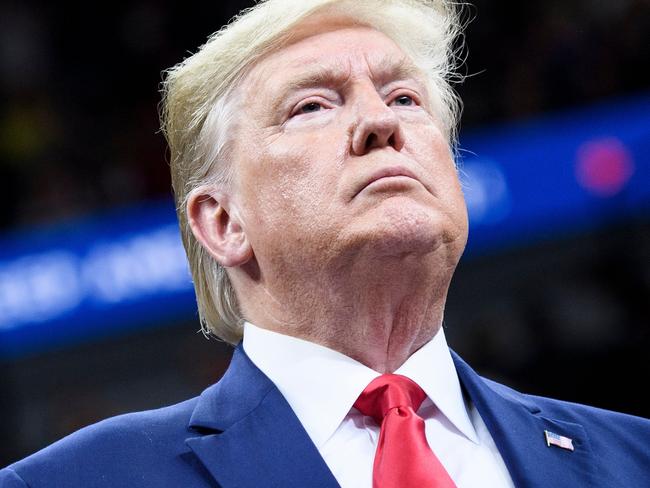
(553, 439)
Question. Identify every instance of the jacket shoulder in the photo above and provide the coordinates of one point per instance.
(620, 441)
(9, 479)
(126, 450)
(571, 412)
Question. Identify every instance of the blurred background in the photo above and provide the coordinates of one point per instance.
(97, 314)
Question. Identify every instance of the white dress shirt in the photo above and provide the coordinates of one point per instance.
(321, 385)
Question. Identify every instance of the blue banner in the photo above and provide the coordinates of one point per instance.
(127, 269)
(92, 278)
(559, 174)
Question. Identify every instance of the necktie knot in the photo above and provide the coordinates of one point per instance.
(388, 392)
(403, 458)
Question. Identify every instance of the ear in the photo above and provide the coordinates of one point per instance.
(216, 225)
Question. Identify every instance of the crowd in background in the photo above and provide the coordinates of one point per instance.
(79, 86)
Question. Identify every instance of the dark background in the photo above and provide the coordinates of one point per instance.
(567, 316)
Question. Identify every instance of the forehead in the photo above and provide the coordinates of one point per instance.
(339, 52)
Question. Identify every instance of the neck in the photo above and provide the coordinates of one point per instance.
(378, 313)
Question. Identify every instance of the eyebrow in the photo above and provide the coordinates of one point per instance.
(386, 69)
(400, 69)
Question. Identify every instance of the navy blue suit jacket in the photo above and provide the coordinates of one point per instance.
(241, 432)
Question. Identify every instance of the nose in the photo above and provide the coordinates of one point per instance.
(376, 125)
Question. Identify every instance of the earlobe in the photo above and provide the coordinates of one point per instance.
(216, 225)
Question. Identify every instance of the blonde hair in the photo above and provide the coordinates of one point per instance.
(199, 97)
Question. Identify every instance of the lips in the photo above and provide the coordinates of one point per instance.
(385, 173)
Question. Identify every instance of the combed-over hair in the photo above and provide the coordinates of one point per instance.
(200, 94)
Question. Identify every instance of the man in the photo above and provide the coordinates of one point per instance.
(323, 220)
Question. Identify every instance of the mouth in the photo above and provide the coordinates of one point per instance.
(394, 174)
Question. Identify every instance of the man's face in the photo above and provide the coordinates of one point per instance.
(336, 153)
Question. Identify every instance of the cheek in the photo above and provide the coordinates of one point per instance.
(430, 149)
(456, 203)
(289, 181)
(451, 190)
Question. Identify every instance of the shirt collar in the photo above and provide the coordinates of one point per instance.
(321, 385)
(432, 367)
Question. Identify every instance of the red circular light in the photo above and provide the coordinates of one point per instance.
(604, 166)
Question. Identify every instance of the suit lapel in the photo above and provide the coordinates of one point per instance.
(247, 435)
(251, 435)
(517, 426)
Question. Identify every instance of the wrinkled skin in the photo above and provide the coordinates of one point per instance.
(346, 219)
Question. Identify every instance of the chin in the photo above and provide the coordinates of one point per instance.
(405, 227)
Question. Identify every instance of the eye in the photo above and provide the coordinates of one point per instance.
(307, 108)
(403, 101)
(310, 107)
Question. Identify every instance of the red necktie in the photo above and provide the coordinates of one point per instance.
(403, 458)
